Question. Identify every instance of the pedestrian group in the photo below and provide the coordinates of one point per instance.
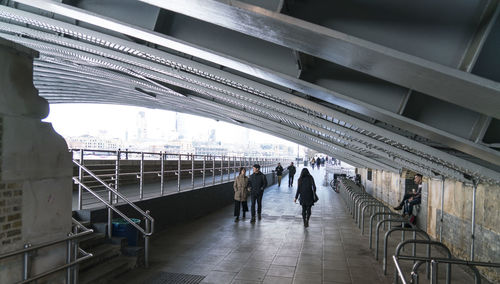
(255, 184)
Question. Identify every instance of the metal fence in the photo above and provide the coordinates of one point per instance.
(163, 173)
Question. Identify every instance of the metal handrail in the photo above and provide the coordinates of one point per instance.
(228, 165)
(372, 217)
(400, 220)
(470, 264)
(414, 250)
(429, 243)
(149, 226)
(46, 244)
(116, 193)
(68, 265)
(72, 245)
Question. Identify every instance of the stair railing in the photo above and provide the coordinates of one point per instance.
(72, 259)
(149, 221)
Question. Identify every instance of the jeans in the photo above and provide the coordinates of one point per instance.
(290, 180)
(257, 198)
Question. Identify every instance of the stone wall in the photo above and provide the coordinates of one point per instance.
(456, 226)
(35, 170)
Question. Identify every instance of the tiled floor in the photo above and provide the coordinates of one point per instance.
(277, 249)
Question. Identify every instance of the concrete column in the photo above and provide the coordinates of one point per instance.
(35, 169)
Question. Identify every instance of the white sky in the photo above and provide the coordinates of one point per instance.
(80, 119)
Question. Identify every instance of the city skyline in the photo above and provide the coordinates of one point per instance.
(135, 124)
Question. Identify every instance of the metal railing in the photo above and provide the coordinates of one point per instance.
(72, 255)
(113, 194)
(433, 262)
(114, 167)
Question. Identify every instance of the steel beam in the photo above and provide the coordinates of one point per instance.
(415, 73)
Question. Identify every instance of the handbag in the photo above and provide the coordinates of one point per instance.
(315, 197)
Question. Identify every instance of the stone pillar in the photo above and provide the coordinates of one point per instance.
(35, 169)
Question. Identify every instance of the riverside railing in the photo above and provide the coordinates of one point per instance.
(183, 171)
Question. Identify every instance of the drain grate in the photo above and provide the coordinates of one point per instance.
(174, 278)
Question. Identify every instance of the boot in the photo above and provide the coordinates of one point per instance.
(252, 220)
(237, 219)
(244, 214)
(260, 217)
(398, 207)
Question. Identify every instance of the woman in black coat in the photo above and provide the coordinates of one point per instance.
(305, 193)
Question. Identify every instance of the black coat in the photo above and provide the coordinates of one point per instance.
(291, 170)
(279, 170)
(257, 182)
(306, 190)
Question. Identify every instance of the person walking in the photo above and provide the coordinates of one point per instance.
(306, 192)
(313, 161)
(241, 191)
(318, 162)
(291, 172)
(257, 183)
(279, 173)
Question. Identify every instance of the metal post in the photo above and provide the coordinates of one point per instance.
(110, 194)
(26, 263)
(234, 166)
(434, 272)
(204, 168)
(141, 177)
(213, 169)
(75, 257)
(117, 172)
(162, 178)
(442, 211)
(222, 169)
(228, 168)
(192, 170)
(146, 239)
(474, 189)
(80, 177)
(179, 173)
(68, 259)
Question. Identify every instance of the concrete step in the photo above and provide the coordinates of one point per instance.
(101, 254)
(92, 240)
(107, 271)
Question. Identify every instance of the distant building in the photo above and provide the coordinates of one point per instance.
(91, 142)
(211, 150)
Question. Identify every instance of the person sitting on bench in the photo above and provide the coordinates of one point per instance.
(414, 197)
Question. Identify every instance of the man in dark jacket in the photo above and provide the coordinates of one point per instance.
(291, 172)
(279, 173)
(257, 183)
(318, 162)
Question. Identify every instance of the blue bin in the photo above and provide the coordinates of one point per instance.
(122, 228)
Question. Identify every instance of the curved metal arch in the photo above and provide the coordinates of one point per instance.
(156, 69)
(453, 141)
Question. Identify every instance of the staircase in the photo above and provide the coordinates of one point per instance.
(112, 256)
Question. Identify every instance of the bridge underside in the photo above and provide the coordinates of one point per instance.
(388, 86)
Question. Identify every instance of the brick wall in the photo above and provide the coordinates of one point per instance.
(10, 205)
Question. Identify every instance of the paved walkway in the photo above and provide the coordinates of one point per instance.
(277, 249)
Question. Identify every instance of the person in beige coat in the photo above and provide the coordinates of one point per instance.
(241, 192)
